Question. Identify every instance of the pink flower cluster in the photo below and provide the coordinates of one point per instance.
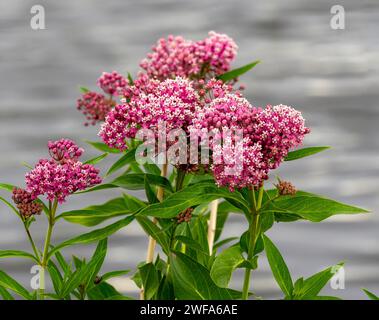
(112, 83)
(95, 106)
(173, 102)
(62, 175)
(265, 138)
(176, 56)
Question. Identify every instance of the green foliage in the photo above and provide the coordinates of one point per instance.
(305, 152)
(233, 74)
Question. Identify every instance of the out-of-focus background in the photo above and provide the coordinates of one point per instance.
(330, 75)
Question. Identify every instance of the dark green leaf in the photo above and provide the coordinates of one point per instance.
(305, 152)
(371, 295)
(312, 286)
(93, 215)
(93, 236)
(154, 231)
(102, 291)
(102, 147)
(113, 274)
(230, 75)
(126, 159)
(5, 294)
(150, 194)
(224, 265)
(189, 197)
(150, 280)
(278, 267)
(192, 281)
(17, 254)
(192, 244)
(9, 283)
(311, 207)
(96, 159)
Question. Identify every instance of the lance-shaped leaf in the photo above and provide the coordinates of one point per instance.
(154, 231)
(224, 265)
(7, 186)
(235, 73)
(133, 181)
(311, 207)
(311, 287)
(96, 159)
(189, 197)
(93, 236)
(150, 280)
(370, 295)
(126, 159)
(192, 281)
(93, 215)
(278, 267)
(9, 283)
(17, 254)
(305, 152)
(102, 147)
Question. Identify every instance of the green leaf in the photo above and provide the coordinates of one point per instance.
(9, 283)
(130, 79)
(84, 89)
(150, 194)
(126, 159)
(154, 231)
(305, 152)
(56, 277)
(371, 295)
(223, 242)
(17, 254)
(278, 267)
(133, 181)
(93, 215)
(224, 265)
(113, 274)
(102, 291)
(192, 281)
(7, 187)
(189, 197)
(102, 147)
(5, 294)
(93, 236)
(96, 159)
(312, 286)
(96, 262)
(230, 75)
(311, 207)
(150, 280)
(192, 244)
(152, 168)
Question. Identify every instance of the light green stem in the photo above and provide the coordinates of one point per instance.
(254, 233)
(45, 260)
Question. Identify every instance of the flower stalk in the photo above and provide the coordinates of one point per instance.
(254, 230)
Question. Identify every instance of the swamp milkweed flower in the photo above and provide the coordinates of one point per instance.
(62, 175)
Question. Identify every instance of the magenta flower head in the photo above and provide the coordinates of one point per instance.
(64, 150)
(63, 174)
(94, 106)
(112, 83)
(256, 141)
(216, 52)
(171, 57)
(173, 102)
(176, 56)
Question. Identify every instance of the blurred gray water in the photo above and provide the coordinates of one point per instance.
(332, 76)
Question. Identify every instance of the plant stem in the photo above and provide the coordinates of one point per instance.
(51, 218)
(254, 230)
(152, 241)
(212, 224)
(32, 242)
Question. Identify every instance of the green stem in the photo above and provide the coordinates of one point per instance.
(51, 218)
(32, 242)
(254, 229)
